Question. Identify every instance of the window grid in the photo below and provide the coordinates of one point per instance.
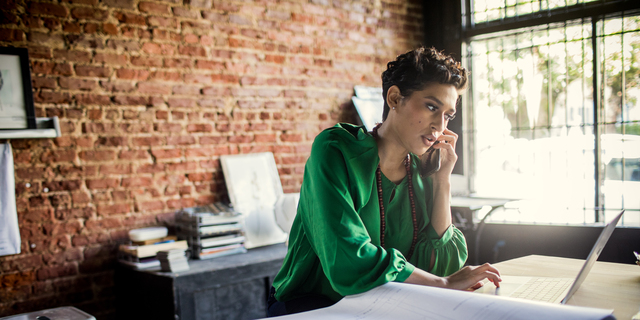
(576, 36)
(493, 10)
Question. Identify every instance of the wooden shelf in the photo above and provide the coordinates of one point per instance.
(46, 128)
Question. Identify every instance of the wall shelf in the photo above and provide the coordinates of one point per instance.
(45, 128)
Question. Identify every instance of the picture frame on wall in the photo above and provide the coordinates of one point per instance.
(16, 96)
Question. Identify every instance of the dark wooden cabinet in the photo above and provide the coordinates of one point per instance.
(230, 287)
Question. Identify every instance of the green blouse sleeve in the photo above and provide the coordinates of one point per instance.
(450, 249)
(337, 234)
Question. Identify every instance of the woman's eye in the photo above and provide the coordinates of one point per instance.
(450, 117)
(432, 107)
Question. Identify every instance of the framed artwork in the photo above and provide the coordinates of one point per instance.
(254, 187)
(16, 96)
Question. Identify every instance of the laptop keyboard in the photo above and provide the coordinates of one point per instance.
(542, 289)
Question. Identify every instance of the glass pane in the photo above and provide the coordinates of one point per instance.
(490, 10)
(620, 123)
(532, 97)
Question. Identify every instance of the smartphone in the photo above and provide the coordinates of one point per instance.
(429, 161)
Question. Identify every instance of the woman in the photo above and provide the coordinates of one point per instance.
(365, 216)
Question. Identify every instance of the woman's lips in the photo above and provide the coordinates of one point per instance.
(429, 140)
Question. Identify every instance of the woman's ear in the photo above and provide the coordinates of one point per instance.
(394, 97)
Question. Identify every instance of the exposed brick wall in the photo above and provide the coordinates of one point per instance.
(149, 95)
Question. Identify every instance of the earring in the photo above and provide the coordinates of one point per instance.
(393, 108)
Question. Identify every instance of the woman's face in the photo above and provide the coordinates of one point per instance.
(421, 118)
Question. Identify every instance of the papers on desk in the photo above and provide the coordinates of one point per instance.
(405, 301)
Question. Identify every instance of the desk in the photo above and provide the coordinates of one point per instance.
(229, 287)
(609, 285)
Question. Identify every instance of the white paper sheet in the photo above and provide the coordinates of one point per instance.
(9, 232)
(405, 301)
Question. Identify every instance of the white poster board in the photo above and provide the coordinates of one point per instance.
(369, 104)
(9, 232)
(254, 187)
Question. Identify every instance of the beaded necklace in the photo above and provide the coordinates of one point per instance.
(407, 165)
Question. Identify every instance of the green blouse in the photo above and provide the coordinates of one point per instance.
(334, 243)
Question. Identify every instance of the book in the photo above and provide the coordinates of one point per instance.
(154, 241)
(151, 249)
(171, 254)
(221, 251)
(221, 240)
(141, 265)
(396, 300)
(220, 229)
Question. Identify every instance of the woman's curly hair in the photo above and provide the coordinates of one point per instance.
(412, 71)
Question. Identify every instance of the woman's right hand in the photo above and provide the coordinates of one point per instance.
(470, 277)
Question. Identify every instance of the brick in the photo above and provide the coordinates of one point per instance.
(124, 4)
(211, 65)
(102, 184)
(115, 169)
(77, 83)
(146, 61)
(11, 34)
(123, 45)
(137, 182)
(130, 18)
(153, 88)
(131, 100)
(93, 99)
(133, 155)
(156, 21)
(151, 168)
(181, 103)
(132, 74)
(193, 127)
(97, 155)
(88, 13)
(166, 153)
(117, 86)
(93, 71)
(109, 28)
(147, 141)
(105, 210)
(52, 97)
(156, 205)
(153, 7)
(192, 51)
(38, 8)
(185, 13)
(199, 3)
(178, 63)
(186, 90)
(42, 82)
(167, 127)
(67, 185)
(55, 156)
(109, 58)
(45, 39)
(180, 140)
(165, 76)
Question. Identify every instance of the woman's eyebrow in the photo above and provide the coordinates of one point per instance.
(439, 103)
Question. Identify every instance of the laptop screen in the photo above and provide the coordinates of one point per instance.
(593, 256)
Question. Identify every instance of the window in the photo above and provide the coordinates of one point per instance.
(554, 108)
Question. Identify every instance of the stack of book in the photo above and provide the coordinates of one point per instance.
(212, 231)
(145, 244)
(174, 260)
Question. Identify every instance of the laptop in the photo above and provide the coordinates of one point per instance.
(548, 289)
